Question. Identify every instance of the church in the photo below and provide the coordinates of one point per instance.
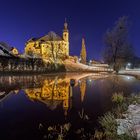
(50, 46)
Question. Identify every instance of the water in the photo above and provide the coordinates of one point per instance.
(27, 101)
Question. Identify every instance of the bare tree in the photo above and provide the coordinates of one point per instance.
(118, 49)
(56, 50)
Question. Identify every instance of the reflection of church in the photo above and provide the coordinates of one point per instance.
(53, 93)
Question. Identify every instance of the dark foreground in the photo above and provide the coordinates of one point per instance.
(30, 104)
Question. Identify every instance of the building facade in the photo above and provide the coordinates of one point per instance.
(14, 51)
(50, 46)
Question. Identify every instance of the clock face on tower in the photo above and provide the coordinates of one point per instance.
(65, 36)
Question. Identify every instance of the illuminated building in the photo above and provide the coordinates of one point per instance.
(49, 45)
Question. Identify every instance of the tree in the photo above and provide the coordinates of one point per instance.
(118, 49)
(56, 50)
(83, 53)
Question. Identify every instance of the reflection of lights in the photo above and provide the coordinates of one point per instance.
(128, 77)
(90, 80)
(79, 81)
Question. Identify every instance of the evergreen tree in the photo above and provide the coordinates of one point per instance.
(83, 53)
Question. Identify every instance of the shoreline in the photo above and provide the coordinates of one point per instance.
(131, 73)
(47, 73)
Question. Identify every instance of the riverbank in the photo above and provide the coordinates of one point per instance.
(135, 73)
(122, 122)
(131, 122)
(9, 73)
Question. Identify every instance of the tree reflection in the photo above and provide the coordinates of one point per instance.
(83, 89)
(119, 84)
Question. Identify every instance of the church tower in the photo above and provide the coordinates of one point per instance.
(65, 32)
(66, 37)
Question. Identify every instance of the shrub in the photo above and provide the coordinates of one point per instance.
(118, 98)
(109, 125)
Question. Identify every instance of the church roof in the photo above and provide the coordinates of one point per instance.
(51, 36)
(5, 46)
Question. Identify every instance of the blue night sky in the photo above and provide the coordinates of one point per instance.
(22, 19)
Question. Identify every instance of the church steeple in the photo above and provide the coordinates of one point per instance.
(65, 37)
(65, 32)
(65, 26)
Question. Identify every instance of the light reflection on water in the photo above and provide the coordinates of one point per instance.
(25, 101)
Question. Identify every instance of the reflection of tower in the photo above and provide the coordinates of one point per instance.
(68, 102)
(83, 89)
(71, 95)
(66, 106)
(72, 84)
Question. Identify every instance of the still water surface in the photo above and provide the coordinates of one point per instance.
(27, 101)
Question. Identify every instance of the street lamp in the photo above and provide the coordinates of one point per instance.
(128, 66)
(90, 61)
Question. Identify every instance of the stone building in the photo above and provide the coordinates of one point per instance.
(50, 46)
(14, 51)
